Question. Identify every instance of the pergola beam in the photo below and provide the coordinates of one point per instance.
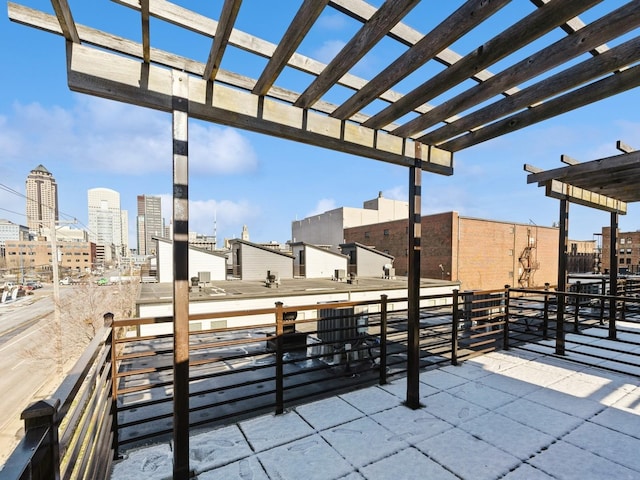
(609, 86)
(456, 25)
(518, 35)
(221, 39)
(118, 78)
(606, 28)
(65, 19)
(591, 69)
(385, 18)
(299, 27)
(562, 191)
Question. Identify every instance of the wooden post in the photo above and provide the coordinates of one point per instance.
(562, 274)
(505, 328)
(39, 417)
(180, 85)
(455, 326)
(613, 275)
(279, 359)
(383, 339)
(413, 320)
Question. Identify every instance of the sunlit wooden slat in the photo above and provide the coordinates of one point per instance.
(299, 27)
(223, 31)
(510, 40)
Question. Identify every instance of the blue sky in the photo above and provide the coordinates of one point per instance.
(241, 178)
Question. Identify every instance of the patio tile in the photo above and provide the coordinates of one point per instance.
(309, 458)
(410, 425)
(328, 412)
(272, 430)
(542, 418)
(508, 435)
(409, 464)
(371, 400)
(568, 462)
(363, 441)
(468, 456)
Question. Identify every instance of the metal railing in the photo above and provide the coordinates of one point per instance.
(244, 363)
(71, 434)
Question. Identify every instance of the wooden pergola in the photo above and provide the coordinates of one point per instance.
(607, 184)
(420, 128)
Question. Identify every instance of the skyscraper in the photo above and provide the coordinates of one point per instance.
(42, 199)
(149, 223)
(105, 219)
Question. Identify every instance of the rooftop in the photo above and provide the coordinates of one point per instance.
(505, 415)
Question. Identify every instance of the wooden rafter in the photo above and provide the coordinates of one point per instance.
(454, 123)
(610, 26)
(146, 39)
(516, 36)
(389, 14)
(65, 19)
(223, 31)
(593, 68)
(457, 24)
(299, 27)
(594, 92)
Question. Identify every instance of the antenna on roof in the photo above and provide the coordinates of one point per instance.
(215, 229)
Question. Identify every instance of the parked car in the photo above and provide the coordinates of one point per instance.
(102, 281)
(34, 285)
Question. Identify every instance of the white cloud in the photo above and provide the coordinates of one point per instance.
(324, 205)
(112, 137)
(228, 216)
(328, 50)
(332, 21)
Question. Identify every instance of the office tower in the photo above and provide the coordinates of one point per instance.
(105, 218)
(42, 199)
(149, 223)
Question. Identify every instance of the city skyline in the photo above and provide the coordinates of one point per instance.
(242, 178)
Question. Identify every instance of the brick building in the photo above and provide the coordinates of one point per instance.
(481, 254)
(628, 247)
(34, 257)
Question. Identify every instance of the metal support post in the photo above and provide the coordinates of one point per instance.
(613, 275)
(562, 275)
(383, 339)
(413, 320)
(180, 83)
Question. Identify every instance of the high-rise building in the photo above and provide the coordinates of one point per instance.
(149, 222)
(105, 220)
(42, 199)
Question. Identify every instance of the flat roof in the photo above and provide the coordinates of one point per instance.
(246, 289)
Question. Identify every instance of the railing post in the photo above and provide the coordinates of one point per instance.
(279, 355)
(108, 323)
(42, 415)
(603, 291)
(545, 315)
(505, 328)
(455, 325)
(383, 339)
(576, 312)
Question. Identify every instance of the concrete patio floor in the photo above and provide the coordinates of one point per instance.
(505, 415)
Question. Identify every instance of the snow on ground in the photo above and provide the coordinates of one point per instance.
(505, 415)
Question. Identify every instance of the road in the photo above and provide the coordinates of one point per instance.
(23, 377)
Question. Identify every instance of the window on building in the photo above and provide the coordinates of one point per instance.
(628, 261)
(628, 251)
(386, 232)
(622, 241)
(366, 235)
(622, 261)
(511, 252)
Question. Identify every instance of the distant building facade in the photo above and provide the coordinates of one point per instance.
(481, 254)
(105, 223)
(328, 228)
(628, 249)
(149, 223)
(42, 199)
(34, 257)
